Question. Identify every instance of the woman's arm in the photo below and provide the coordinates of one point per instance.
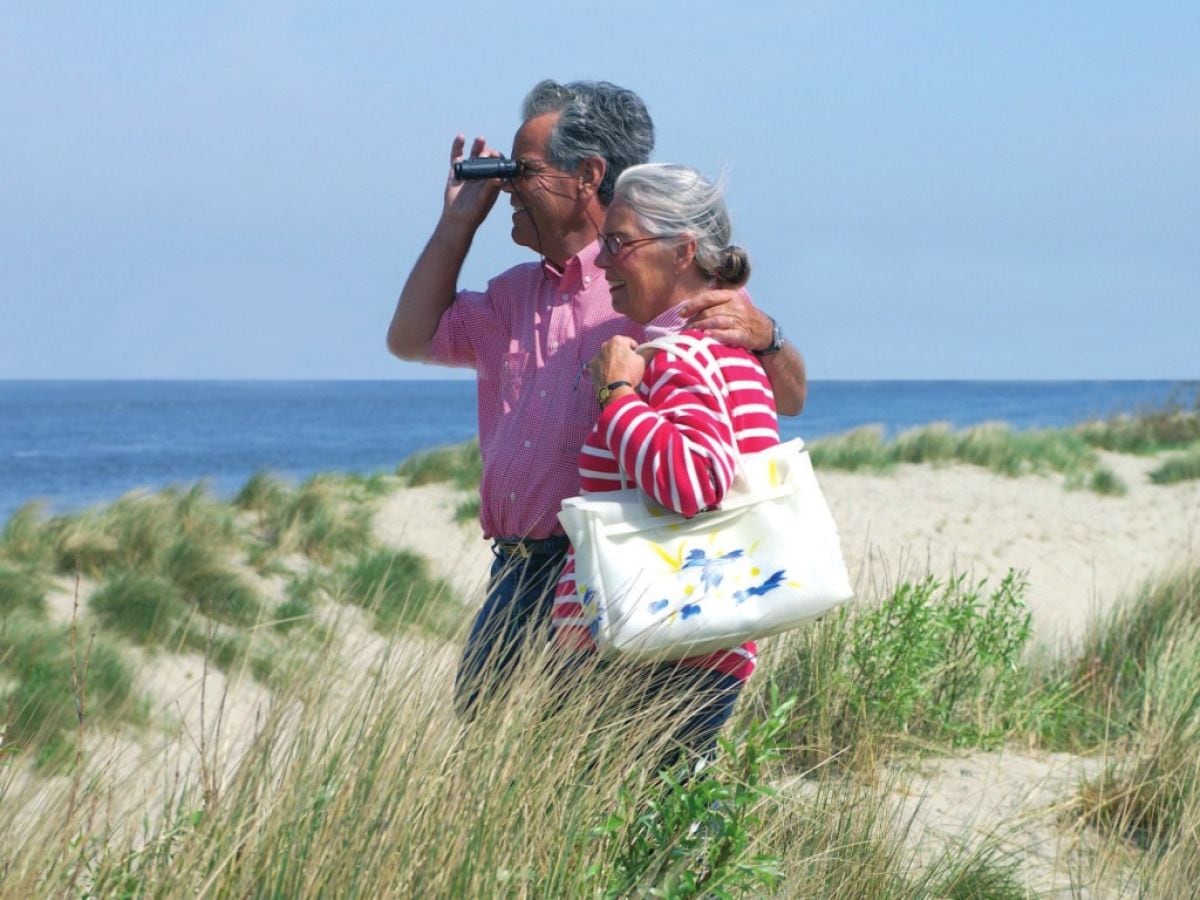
(671, 437)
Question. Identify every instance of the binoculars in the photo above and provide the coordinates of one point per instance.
(487, 167)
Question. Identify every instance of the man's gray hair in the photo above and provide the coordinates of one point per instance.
(596, 118)
(672, 201)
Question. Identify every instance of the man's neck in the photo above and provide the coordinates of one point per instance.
(576, 237)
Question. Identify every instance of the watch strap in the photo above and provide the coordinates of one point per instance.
(605, 392)
(776, 341)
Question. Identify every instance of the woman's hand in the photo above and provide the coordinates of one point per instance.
(617, 360)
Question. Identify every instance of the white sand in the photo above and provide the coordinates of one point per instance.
(1080, 551)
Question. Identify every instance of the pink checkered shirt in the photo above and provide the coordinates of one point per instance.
(529, 337)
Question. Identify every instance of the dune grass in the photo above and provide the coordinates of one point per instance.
(396, 587)
(1173, 425)
(54, 676)
(371, 787)
(1181, 467)
(993, 446)
(459, 464)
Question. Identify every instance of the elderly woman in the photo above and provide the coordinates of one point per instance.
(665, 238)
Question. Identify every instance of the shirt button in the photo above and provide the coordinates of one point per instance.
(513, 496)
(528, 444)
(566, 297)
(587, 279)
(541, 393)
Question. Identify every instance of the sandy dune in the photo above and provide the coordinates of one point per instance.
(1081, 551)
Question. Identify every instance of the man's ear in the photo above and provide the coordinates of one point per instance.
(591, 173)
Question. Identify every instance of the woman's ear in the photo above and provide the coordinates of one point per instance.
(591, 173)
(685, 255)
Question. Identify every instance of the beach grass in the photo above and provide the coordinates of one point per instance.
(357, 778)
(376, 789)
(396, 588)
(1181, 467)
(994, 446)
(459, 464)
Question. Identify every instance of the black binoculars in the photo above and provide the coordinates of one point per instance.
(487, 167)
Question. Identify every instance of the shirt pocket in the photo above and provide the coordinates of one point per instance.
(515, 375)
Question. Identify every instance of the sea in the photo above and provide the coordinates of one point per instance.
(75, 444)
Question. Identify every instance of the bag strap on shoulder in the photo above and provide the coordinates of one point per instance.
(689, 349)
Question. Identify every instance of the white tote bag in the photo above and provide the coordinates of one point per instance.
(656, 586)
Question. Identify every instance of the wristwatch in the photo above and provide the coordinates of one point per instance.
(605, 392)
(776, 341)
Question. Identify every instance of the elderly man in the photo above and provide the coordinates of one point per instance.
(530, 335)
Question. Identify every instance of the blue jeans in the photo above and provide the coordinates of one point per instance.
(697, 703)
(516, 612)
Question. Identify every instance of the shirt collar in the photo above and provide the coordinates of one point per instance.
(579, 266)
(669, 322)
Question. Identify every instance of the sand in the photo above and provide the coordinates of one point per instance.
(1080, 551)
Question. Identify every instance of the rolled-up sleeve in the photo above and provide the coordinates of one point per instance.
(464, 330)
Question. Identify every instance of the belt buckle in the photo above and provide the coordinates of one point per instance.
(522, 550)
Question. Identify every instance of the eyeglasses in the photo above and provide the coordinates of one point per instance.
(614, 243)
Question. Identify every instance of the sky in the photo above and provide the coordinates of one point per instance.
(927, 189)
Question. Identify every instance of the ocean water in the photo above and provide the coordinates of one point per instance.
(72, 444)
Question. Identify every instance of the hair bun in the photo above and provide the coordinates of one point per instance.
(735, 266)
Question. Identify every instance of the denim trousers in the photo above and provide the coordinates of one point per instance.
(516, 613)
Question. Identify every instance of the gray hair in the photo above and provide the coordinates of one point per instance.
(596, 118)
(674, 201)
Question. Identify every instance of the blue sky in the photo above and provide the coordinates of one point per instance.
(928, 190)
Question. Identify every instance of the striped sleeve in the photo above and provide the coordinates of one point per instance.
(672, 438)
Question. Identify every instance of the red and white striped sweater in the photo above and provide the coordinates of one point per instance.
(671, 439)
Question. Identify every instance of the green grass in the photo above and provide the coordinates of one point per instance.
(25, 539)
(41, 703)
(21, 589)
(375, 790)
(145, 608)
(1171, 426)
(459, 464)
(993, 446)
(320, 519)
(396, 587)
(467, 511)
(1183, 467)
